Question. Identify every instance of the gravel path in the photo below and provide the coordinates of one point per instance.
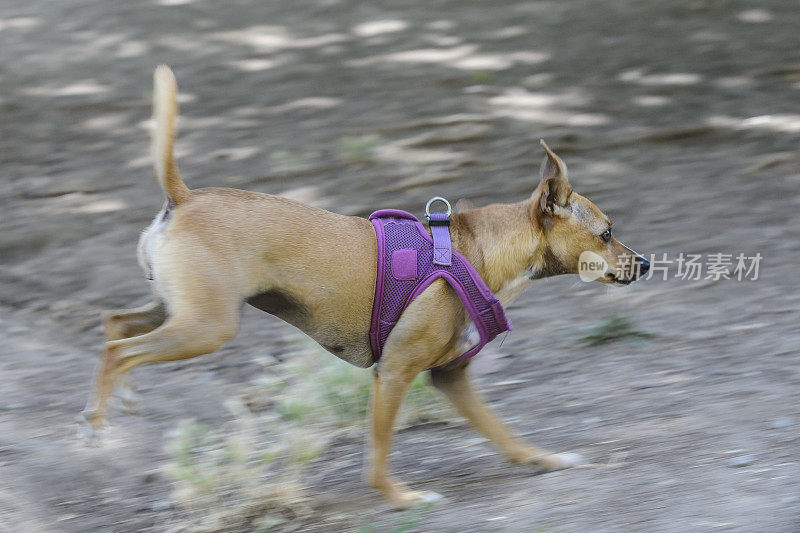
(679, 119)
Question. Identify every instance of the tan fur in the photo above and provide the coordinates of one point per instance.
(212, 249)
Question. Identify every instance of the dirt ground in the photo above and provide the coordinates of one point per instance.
(679, 119)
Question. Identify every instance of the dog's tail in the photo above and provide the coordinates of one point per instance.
(165, 111)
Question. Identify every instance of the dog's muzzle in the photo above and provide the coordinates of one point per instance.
(643, 266)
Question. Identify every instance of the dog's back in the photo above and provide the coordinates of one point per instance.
(312, 268)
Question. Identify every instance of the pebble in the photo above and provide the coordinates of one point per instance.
(475, 89)
(269, 522)
(537, 81)
(755, 16)
(781, 422)
(163, 505)
(741, 461)
(150, 476)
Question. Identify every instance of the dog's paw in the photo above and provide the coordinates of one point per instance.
(426, 496)
(556, 461)
(87, 433)
(560, 461)
(416, 498)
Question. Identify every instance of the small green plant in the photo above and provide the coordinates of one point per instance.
(359, 149)
(612, 329)
(294, 409)
(283, 161)
(329, 393)
(247, 474)
(225, 482)
(483, 77)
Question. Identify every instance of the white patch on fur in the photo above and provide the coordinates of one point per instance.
(149, 242)
(469, 338)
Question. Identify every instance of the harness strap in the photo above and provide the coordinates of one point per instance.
(442, 247)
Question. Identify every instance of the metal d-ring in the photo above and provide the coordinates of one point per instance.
(437, 199)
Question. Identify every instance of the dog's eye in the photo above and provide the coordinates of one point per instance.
(606, 235)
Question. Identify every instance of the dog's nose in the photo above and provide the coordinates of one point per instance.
(644, 266)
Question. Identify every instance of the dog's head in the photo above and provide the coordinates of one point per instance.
(577, 238)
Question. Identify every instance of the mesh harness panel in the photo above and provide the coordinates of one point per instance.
(407, 266)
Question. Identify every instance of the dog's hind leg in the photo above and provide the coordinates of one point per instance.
(180, 337)
(124, 323)
(454, 383)
(203, 314)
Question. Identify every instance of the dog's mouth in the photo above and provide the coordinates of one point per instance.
(616, 280)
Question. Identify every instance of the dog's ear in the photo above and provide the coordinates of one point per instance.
(463, 205)
(554, 190)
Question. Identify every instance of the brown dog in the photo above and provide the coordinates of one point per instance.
(210, 250)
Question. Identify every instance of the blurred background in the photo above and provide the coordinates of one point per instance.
(680, 119)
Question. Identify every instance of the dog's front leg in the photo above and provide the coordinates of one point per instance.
(454, 383)
(390, 387)
(415, 344)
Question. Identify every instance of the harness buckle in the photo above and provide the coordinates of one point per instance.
(428, 210)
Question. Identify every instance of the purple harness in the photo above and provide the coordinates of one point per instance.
(409, 260)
